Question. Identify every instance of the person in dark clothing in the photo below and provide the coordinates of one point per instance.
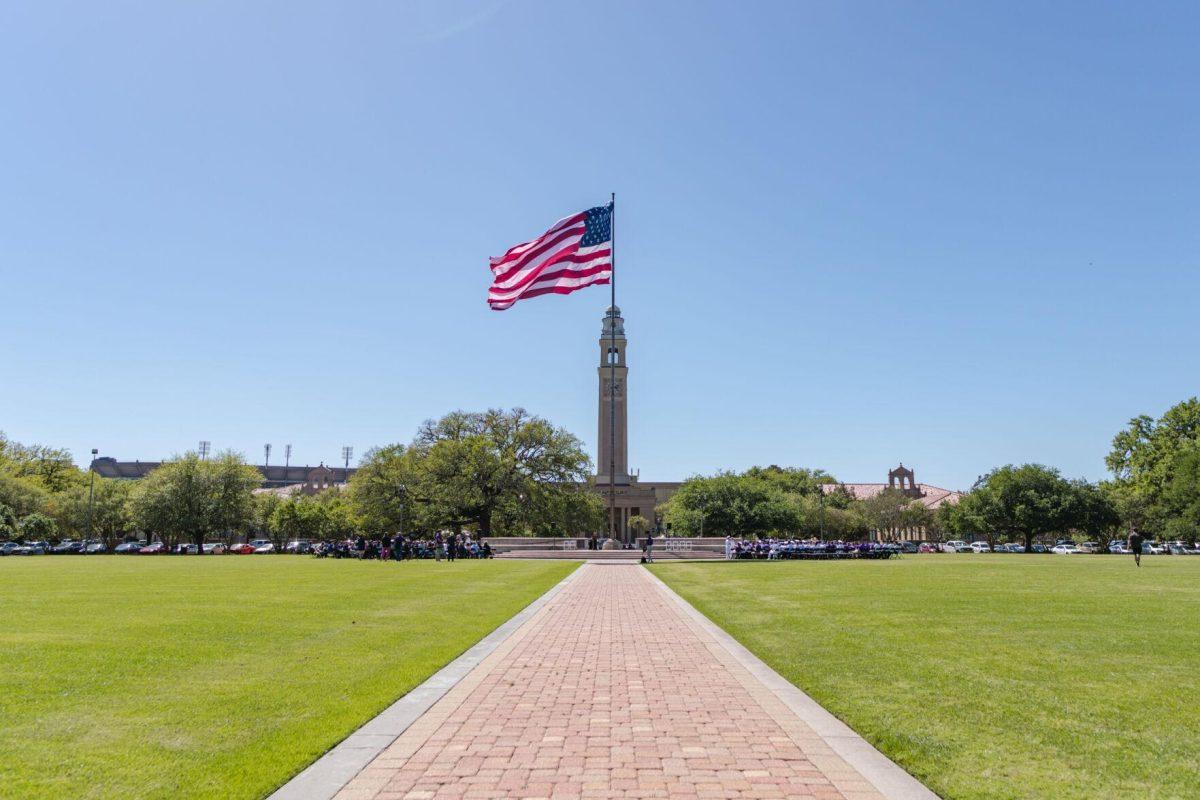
(451, 547)
(1135, 545)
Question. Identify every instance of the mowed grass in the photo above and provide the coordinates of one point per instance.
(987, 676)
(221, 676)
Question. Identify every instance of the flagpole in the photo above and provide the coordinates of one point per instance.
(612, 375)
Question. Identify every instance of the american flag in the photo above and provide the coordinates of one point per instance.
(576, 252)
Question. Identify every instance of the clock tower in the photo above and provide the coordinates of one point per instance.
(612, 464)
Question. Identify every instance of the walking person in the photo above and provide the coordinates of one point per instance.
(437, 546)
(728, 548)
(650, 547)
(1135, 545)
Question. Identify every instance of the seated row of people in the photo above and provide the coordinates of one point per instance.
(773, 549)
(402, 548)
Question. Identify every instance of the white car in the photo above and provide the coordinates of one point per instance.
(262, 546)
(1064, 549)
(214, 549)
(980, 547)
(955, 546)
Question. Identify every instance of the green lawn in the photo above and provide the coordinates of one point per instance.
(175, 677)
(987, 676)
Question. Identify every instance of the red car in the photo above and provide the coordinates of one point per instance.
(153, 549)
(242, 549)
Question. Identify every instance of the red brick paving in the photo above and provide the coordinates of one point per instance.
(609, 691)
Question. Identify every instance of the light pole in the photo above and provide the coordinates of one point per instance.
(91, 494)
(205, 446)
(266, 455)
(347, 454)
(287, 457)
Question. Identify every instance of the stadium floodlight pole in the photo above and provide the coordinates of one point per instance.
(287, 456)
(612, 369)
(91, 493)
(266, 455)
(347, 454)
(205, 446)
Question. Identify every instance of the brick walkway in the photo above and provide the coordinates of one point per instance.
(609, 691)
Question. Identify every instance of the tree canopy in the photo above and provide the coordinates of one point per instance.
(498, 471)
(189, 498)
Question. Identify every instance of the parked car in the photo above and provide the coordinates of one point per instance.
(8, 548)
(298, 546)
(185, 549)
(126, 548)
(954, 546)
(908, 547)
(153, 549)
(32, 549)
(242, 548)
(92, 547)
(265, 547)
(980, 547)
(1152, 549)
(1010, 547)
(67, 547)
(1064, 549)
(1089, 547)
(215, 548)
(926, 547)
(1039, 548)
(1118, 548)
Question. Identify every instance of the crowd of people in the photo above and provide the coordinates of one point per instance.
(772, 549)
(402, 548)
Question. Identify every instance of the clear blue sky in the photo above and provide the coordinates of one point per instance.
(953, 234)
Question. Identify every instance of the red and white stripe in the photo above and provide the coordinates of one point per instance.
(553, 263)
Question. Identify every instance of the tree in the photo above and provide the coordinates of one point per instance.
(1093, 513)
(23, 495)
(188, 498)
(791, 480)
(111, 514)
(387, 488)
(1181, 496)
(552, 513)
(328, 515)
(8, 523)
(730, 504)
(505, 470)
(478, 462)
(297, 518)
(885, 512)
(1144, 455)
(1023, 502)
(265, 505)
(50, 467)
(38, 527)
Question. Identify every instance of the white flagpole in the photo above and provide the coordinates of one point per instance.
(612, 374)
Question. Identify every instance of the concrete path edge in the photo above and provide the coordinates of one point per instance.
(326, 776)
(887, 776)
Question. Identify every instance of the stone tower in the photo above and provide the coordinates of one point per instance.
(613, 440)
